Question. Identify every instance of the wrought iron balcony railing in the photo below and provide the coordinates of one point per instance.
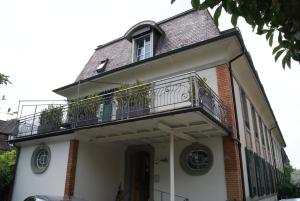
(182, 91)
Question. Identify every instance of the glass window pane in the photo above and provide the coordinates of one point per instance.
(147, 39)
(143, 46)
(140, 43)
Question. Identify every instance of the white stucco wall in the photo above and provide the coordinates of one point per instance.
(51, 182)
(99, 171)
(196, 188)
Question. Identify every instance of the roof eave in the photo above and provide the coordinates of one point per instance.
(250, 61)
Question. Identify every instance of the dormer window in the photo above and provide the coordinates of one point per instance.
(143, 37)
(101, 66)
(143, 47)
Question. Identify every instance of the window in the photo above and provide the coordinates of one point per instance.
(143, 48)
(254, 121)
(267, 137)
(261, 131)
(245, 108)
(101, 66)
(40, 159)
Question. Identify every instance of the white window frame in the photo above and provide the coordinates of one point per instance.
(134, 46)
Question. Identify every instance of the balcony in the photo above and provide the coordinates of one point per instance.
(173, 95)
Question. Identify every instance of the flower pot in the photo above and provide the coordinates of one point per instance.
(46, 128)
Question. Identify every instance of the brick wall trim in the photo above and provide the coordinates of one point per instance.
(233, 172)
(71, 168)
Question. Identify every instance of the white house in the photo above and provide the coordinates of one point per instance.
(172, 110)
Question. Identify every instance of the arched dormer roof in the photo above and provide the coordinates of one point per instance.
(142, 27)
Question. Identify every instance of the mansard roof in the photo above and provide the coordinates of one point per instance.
(181, 30)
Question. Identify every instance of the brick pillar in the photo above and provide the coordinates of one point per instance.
(233, 172)
(71, 168)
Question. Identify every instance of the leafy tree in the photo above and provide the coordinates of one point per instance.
(7, 162)
(288, 169)
(274, 18)
(4, 79)
(287, 188)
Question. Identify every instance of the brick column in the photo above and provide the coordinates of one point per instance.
(233, 172)
(71, 168)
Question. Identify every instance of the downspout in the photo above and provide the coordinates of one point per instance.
(236, 120)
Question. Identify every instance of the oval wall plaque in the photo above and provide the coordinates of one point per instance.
(196, 159)
(40, 159)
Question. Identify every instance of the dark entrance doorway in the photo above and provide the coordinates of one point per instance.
(139, 173)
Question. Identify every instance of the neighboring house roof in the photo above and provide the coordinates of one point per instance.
(3, 138)
(8, 127)
(181, 30)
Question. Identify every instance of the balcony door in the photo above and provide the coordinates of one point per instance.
(107, 108)
(139, 173)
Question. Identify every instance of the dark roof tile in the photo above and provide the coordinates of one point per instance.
(181, 30)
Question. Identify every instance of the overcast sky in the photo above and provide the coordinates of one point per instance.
(45, 44)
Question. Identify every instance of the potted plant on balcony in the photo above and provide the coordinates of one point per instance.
(84, 111)
(122, 96)
(50, 119)
(133, 100)
(205, 94)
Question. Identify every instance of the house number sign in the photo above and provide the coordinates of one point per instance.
(196, 159)
(40, 159)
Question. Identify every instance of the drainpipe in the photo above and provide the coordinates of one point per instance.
(236, 120)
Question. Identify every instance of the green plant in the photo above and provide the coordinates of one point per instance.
(90, 104)
(287, 188)
(139, 93)
(51, 116)
(133, 94)
(122, 94)
(87, 106)
(203, 87)
(7, 162)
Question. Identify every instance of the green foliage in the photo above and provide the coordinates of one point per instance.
(51, 116)
(7, 162)
(84, 106)
(269, 17)
(4, 79)
(288, 169)
(204, 88)
(122, 94)
(287, 188)
(138, 92)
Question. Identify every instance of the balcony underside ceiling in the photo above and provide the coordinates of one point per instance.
(190, 126)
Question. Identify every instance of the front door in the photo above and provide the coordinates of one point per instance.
(139, 174)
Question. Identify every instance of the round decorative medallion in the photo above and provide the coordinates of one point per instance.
(196, 159)
(40, 159)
